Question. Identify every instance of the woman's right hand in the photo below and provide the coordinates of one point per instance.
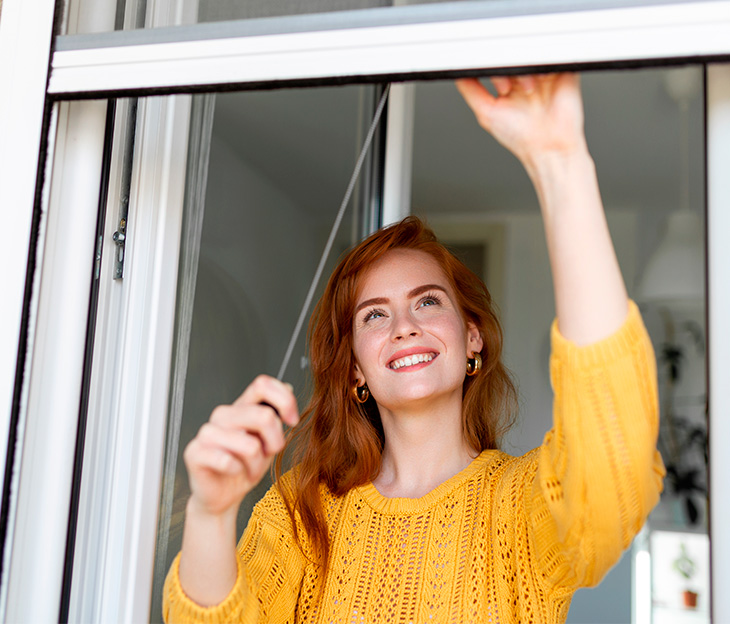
(232, 451)
(533, 116)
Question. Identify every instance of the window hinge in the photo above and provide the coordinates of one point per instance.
(120, 238)
(97, 257)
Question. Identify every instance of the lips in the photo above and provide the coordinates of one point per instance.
(405, 359)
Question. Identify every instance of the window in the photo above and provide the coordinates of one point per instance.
(280, 162)
(136, 390)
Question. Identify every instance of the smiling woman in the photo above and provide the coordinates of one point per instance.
(86, 384)
(412, 351)
(392, 275)
(362, 527)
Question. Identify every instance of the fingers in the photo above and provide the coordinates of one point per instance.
(479, 100)
(255, 420)
(483, 103)
(229, 451)
(232, 451)
(528, 84)
(249, 431)
(503, 84)
(198, 456)
(277, 394)
(475, 93)
(523, 84)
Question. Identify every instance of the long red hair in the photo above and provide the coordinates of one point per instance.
(339, 441)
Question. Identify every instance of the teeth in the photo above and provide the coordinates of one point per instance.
(411, 360)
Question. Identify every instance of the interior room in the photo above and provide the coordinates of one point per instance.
(279, 164)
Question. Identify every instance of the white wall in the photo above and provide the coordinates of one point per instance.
(529, 309)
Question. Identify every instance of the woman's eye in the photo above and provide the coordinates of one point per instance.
(429, 301)
(373, 314)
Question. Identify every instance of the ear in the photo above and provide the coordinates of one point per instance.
(474, 342)
(359, 377)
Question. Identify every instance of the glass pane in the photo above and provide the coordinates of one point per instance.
(645, 131)
(130, 14)
(218, 10)
(279, 165)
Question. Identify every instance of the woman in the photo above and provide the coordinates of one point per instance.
(400, 507)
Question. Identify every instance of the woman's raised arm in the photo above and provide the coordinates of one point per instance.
(598, 473)
(540, 120)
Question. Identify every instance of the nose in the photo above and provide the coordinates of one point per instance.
(405, 326)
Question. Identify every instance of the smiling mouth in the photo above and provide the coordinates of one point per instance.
(411, 360)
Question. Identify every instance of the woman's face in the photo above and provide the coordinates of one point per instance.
(409, 335)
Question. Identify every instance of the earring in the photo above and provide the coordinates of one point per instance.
(362, 393)
(473, 364)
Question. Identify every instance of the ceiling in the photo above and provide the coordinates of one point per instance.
(305, 142)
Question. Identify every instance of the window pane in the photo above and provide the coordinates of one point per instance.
(131, 14)
(645, 131)
(218, 10)
(279, 165)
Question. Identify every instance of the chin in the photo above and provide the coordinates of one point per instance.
(414, 396)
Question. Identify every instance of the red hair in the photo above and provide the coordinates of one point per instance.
(339, 441)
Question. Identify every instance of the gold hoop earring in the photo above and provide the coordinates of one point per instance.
(362, 393)
(473, 364)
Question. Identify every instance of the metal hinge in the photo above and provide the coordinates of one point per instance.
(120, 236)
(97, 257)
(120, 239)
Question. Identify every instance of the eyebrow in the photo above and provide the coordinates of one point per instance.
(418, 290)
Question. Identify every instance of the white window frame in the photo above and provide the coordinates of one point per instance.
(137, 357)
(673, 30)
(25, 33)
(128, 398)
(718, 331)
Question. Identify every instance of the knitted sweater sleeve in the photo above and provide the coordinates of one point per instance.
(598, 471)
(270, 569)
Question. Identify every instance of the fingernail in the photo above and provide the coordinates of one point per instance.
(288, 385)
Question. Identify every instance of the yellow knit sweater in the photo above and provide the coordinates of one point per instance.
(508, 539)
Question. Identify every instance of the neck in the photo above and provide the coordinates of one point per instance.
(424, 446)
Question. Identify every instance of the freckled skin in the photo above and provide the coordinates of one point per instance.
(405, 318)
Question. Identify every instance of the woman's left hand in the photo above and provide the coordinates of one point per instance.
(532, 115)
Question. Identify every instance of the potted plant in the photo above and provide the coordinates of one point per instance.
(682, 440)
(686, 568)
